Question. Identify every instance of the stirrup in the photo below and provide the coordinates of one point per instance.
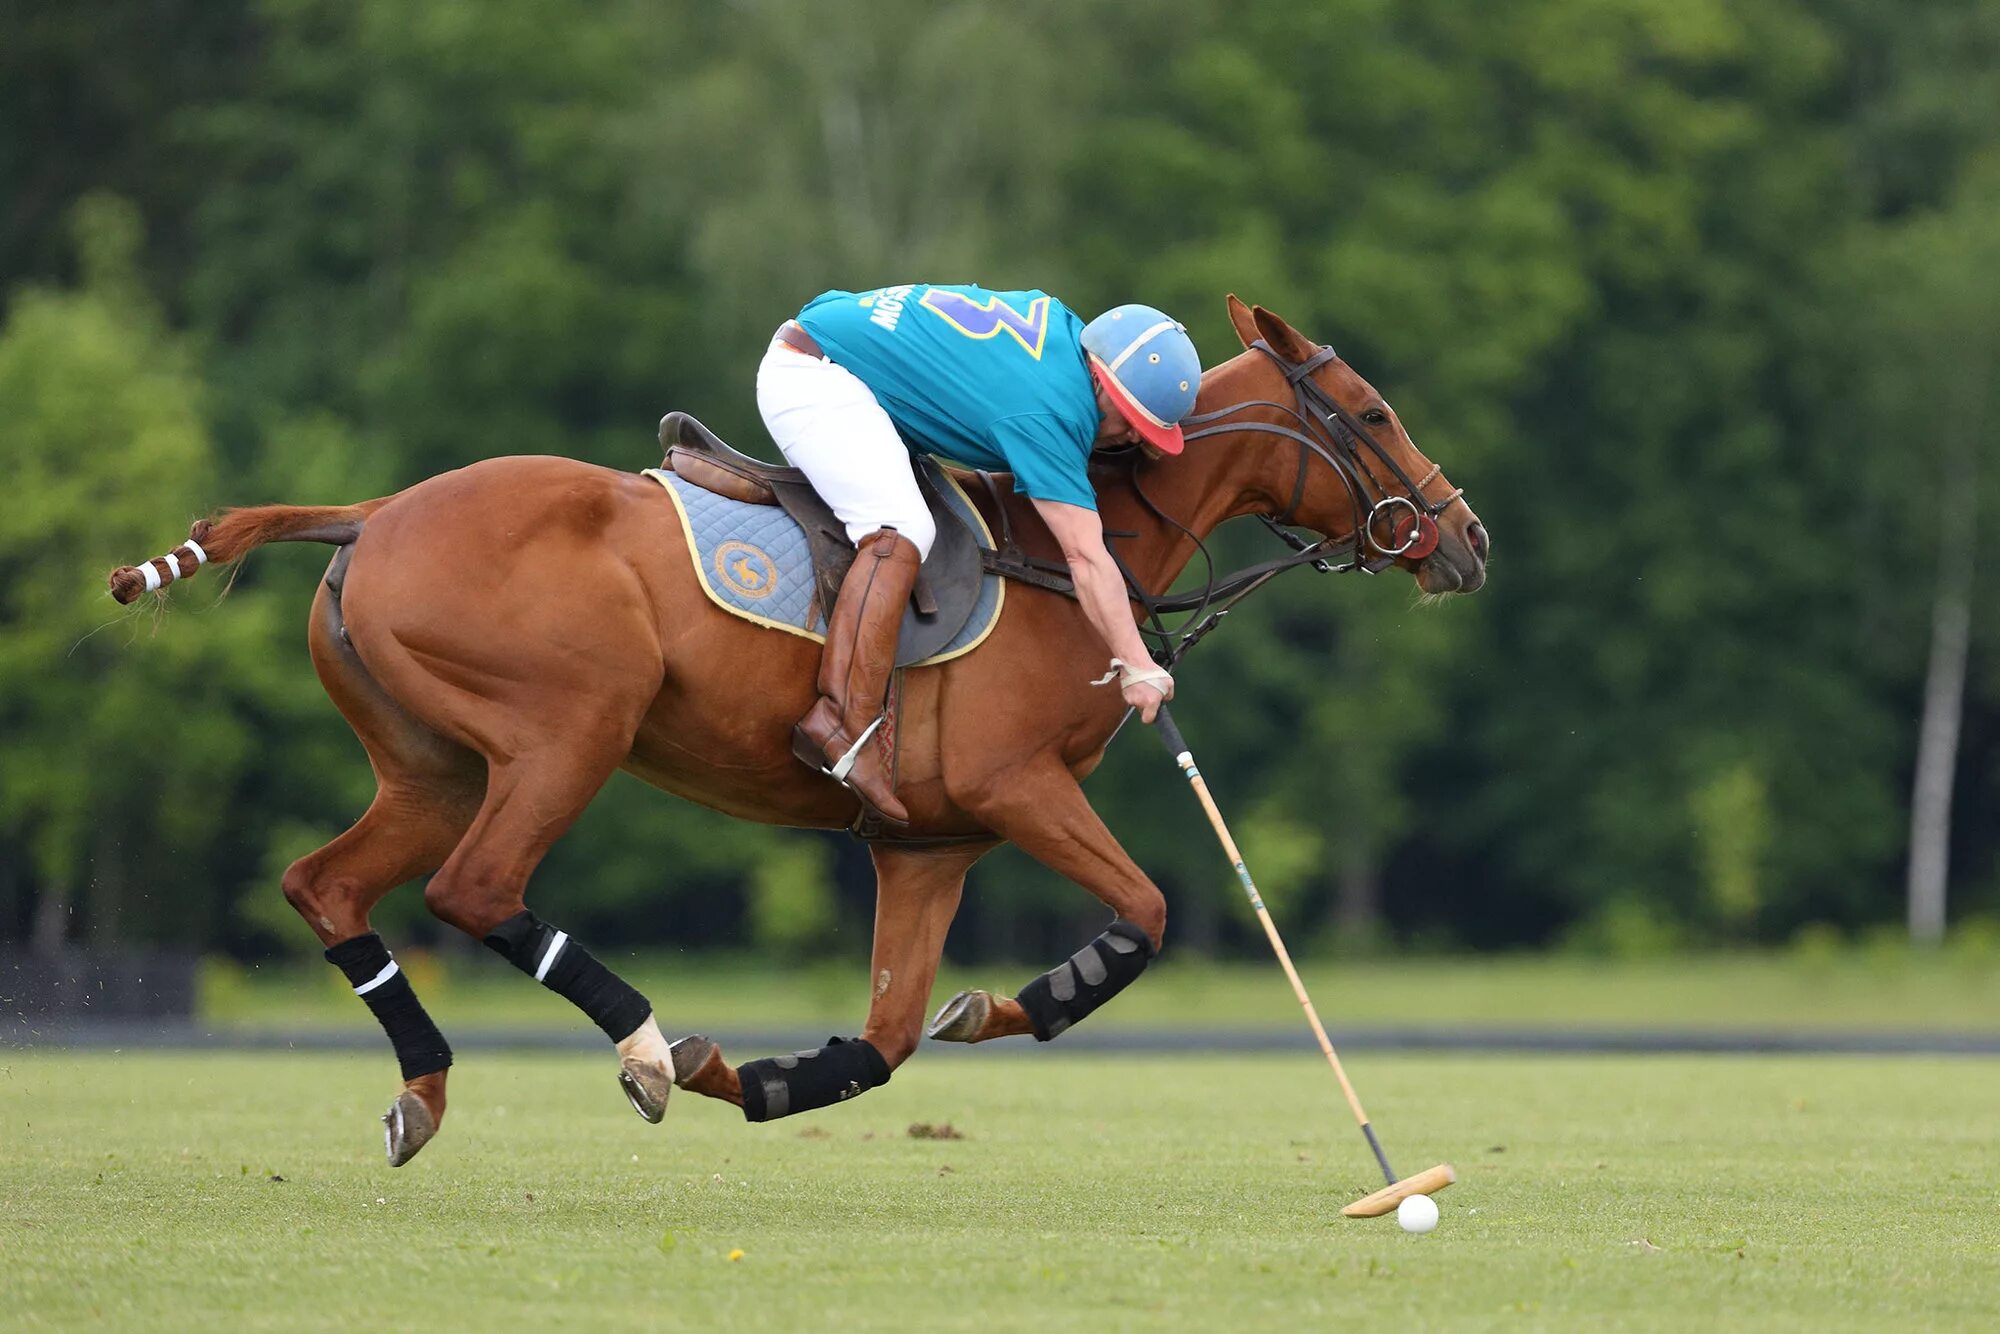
(844, 766)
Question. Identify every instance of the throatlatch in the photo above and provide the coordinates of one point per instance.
(785, 1085)
(1092, 976)
(376, 977)
(568, 969)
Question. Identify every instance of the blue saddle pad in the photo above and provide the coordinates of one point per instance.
(753, 562)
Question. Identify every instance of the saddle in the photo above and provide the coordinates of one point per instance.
(948, 585)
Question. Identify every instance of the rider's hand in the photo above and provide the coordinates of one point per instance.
(1145, 688)
(1147, 696)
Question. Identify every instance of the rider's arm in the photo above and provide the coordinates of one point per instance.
(1100, 590)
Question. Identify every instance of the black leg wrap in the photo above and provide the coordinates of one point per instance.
(373, 974)
(783, 1085)
(567, 968)
(1093, 975)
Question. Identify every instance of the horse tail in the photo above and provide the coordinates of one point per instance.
(235, 533)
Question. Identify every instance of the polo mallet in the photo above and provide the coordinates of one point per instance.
(1427, 1182)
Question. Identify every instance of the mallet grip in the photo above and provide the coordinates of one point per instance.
(1176, 744)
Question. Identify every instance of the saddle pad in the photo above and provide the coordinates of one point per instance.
(753, 562)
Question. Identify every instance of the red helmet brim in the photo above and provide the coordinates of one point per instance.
(1165, 437)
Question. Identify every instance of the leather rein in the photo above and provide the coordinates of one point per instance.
(1325, 430)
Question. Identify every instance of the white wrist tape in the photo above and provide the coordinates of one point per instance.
(1127, 674)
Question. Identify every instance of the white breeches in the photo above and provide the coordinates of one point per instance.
(830, 427)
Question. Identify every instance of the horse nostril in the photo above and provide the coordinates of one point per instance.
(1475, 537)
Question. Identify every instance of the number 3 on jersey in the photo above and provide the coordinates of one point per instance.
(991, 317)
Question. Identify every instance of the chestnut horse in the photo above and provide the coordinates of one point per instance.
(503, 637)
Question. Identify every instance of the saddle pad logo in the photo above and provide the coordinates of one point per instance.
(745, 570)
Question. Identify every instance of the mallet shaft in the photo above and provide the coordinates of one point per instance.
(1177, 746)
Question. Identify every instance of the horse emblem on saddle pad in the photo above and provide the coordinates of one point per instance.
(748, 570)
(767, 549)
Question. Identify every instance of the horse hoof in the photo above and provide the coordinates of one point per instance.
(690, 1054)
(699, 1068)
(406, 1127)
(646, 1085)
(962, 1018)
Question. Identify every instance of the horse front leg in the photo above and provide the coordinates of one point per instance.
(1044, 812)
(916, 896)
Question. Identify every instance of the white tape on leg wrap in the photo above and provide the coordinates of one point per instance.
(387, 972)
(549, 959)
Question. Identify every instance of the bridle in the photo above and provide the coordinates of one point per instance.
(1333, 434)
(1326, 431)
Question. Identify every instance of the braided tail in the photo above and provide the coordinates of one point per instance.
(234, 534)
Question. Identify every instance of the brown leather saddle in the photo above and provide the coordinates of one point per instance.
(947, 587)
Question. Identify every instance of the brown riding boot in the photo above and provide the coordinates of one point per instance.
(836, 737)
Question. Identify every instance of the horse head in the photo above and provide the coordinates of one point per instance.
(1354, 474)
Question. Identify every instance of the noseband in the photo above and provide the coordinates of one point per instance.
(1331, 433)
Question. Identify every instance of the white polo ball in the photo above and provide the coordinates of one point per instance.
(1419, 1213)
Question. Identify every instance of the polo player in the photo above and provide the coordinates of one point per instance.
(1003, 381)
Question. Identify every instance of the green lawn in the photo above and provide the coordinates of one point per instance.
(1860, 989)
(1089, 1194)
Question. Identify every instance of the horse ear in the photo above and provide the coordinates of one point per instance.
(1283, 339)
(1239, 315)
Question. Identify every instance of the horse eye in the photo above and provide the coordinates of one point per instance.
(1375, 417)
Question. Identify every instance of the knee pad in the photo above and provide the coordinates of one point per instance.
(1092, 976)
(785, 1085)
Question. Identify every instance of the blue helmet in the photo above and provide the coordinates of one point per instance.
(1144, 359)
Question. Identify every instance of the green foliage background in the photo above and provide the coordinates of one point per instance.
(1698, 300)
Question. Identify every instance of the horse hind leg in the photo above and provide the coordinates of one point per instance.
(532, 797)
(427, 792)
(548, 684)
(401, 837)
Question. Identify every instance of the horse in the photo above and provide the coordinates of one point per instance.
(502, 637)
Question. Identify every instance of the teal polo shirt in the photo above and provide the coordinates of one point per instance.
(994, 380)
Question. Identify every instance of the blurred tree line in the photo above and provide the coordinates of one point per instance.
(1698, 300)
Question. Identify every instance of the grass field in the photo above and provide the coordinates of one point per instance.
(1886, 989)
(140, 1192)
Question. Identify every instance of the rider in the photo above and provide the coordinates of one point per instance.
(1005, 381)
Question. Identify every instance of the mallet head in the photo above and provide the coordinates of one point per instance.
(1384, 1201)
